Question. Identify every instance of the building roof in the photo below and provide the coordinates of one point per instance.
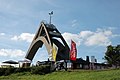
(80, 61)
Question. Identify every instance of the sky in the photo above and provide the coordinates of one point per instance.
(92, 24)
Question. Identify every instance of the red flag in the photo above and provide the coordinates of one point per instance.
(73, 51)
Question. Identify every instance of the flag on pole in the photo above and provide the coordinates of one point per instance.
(73, 51)
(54, 51)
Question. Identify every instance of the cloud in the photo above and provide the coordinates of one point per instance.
(2, 34)
(100, 37)
(69, 36)
(85, 34)
(11, 53)
(23, 37)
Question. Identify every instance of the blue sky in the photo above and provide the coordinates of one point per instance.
(92, 24)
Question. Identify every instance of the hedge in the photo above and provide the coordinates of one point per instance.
(44, 69)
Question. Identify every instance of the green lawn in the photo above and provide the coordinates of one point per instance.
(67, 75)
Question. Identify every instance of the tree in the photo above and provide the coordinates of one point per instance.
(112, 55)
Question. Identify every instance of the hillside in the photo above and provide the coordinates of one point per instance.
(67, 75)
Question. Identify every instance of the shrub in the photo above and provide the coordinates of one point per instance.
(22, 70)
(44, 69)
(9, 71)
(2, 71)
(6, 71)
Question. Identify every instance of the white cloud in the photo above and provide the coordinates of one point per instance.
(11, 53)
(69, 36)
(85, 34)
(100, 37)
(2, 34)
(23, 37)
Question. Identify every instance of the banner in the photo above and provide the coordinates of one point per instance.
(54, 51)
(73, 51)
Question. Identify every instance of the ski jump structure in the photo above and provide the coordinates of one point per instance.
(48, 35)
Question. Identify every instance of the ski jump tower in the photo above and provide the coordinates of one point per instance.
(48, 35)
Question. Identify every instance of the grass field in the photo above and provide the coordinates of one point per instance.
(67, 75)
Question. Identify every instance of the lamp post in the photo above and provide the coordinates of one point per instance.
(51, 13)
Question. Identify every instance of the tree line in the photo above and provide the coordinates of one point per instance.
(112, 55)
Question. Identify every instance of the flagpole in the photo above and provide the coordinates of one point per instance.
(51, 13)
